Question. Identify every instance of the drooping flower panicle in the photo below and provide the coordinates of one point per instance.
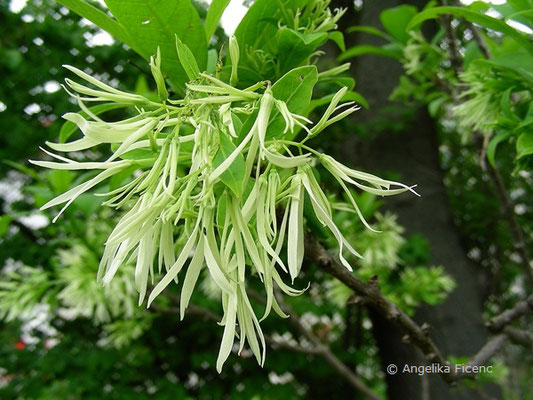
(204, 196)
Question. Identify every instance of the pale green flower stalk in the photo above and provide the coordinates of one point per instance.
(234, 56)
(203, 196)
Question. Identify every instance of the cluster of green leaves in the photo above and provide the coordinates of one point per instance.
(267, 50)
(488, 95)
(470, 68)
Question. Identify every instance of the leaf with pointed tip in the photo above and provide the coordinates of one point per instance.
(233, 176)
(395, 21)
(99, 18)
(216, 9)
(524, 144)
(294, 88)
(187, 60)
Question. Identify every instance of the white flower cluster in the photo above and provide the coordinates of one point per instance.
(209, 188)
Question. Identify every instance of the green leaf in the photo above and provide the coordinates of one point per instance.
(256, 25)
(212, 58)
(369, 49)
(5, 220)
(187, 60)
(435, 105)
(478, 18)
(338, 38)
(216, 9)
(515, 61)
(60, 180)
(99, 18)
(260, 25)
(41, 195)
(69, 127)
(368, 29)
(517, 10)
(525, 123)
(524, 144)
(120, 178)
(294, 48)
(233, 177)
(521, 5)
(493, 145)
(395, 21)
(505, 103)
(155, 23)
(472, 53)
(295, 88)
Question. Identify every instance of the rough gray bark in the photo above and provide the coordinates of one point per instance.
(457, 323)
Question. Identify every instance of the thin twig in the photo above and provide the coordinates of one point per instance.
(325, 352)
(373, 297)
(318, 348)
(514, 227)
(497, 323)
(491, 347)
(419, 335)
(519, 336)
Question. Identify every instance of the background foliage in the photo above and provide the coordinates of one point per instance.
(63, 336)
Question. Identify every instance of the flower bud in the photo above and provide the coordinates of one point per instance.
(155, 66)
(234, 56)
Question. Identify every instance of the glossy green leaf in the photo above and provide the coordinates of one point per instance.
(493, 145)
(247, 76)
(187, 60)
(294, 48)
(524, 144)
(216, 9)
(435, 105)
(365, 49)
(101, 19)
(5, 220)
(514, 61)
(256, 24)
(137, 154)
(154, 23)
(338, 38)
(347, 81)
(260, 25)
(295, 88)
(368, 29)
(233, 176)
(395, 21)
(212, 58)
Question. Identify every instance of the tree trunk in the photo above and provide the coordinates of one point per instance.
(457, 323)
